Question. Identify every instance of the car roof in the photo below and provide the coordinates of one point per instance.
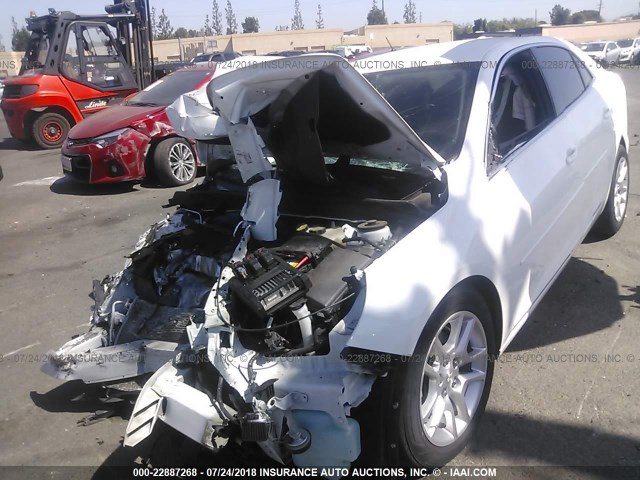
(196, 68)
(474, 50)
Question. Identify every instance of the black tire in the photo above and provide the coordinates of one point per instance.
(50, 130)
(611, 218)
(393, 432)
(177, 152)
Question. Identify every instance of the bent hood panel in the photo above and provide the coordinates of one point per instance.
(347, 102)
(110, 119)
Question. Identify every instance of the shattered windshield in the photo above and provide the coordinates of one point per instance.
(435, 101)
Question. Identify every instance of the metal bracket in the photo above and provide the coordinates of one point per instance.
(289, 401)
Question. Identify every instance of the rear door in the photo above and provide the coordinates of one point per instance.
(590, 148)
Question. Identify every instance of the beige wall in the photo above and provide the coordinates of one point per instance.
(260, 43)
(10, 63)
(410, 35)
(597, 31)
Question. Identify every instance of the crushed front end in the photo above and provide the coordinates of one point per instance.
(334, 179)
(140, 314)
(261, 367)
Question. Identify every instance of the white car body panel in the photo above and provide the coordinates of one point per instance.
(244, 92)
(520, 272)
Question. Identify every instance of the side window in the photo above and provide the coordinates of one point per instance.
(562, 77)
(583, 70)
(520, 109)
(71, 60)
(97, 61)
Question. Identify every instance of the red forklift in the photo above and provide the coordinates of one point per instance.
(76, 65)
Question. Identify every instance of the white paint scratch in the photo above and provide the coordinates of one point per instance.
(21, 349)
(46, 181)
(593, 379)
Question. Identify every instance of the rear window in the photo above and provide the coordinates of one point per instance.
(562, 75)
(594, 47)
(435, 101)
(166, 90)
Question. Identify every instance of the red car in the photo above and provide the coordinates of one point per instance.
(125, 141)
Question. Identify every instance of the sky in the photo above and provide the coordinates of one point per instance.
(346, 14)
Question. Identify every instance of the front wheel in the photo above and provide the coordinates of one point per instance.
(615, 210)
(175, 162)
(432, 403)
(50, 130)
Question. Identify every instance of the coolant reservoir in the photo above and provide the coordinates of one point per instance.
(374, 231)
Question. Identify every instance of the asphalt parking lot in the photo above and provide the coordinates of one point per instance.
(566, 393)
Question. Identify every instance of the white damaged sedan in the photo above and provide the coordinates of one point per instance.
(381, 232)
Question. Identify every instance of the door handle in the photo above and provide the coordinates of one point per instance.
(572, 153)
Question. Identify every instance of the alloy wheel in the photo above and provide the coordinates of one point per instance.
(453, 378)
(621, 189)
(182, 162)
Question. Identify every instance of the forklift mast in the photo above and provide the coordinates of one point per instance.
(130, 19)
(139, 37)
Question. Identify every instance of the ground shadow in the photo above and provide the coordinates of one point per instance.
(11, 143)
(527, 440)
(634, 296)
(167, 447)
(68, 186)
(77, 397)
(583, 300)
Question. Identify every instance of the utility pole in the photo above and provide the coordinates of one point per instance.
(600, 8)
(382, 6)
(536, 17)
(420, 17)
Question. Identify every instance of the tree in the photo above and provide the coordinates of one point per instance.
(376, 16)
(2, 47)
(181, 32)
(585, 16)
(461, 29)
(216, 19)
(560, 15)
(193, 33)
(282, 28)
(207, 26)
(480, 25)
(250, 25)
(296, 21)
(410, 12)
(165, 30)
(154, 24)
(320, 19)
(232, 23)
(19, 37)
(509, 24)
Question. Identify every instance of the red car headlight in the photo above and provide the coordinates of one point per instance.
(109, 138)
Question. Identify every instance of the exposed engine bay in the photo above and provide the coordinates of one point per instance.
(241, 302)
